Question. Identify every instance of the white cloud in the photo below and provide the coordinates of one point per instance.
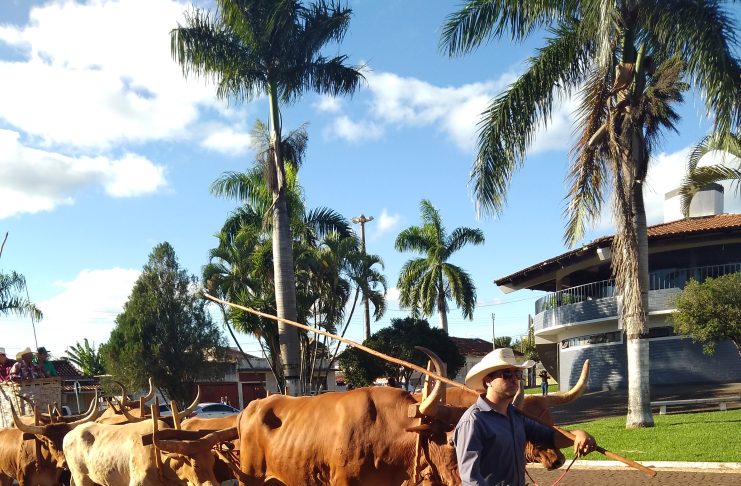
(228, 141)
(328, 104)
(86, 307)
(103, 85)
(352, 131)
(666, 172)
(392, 296)
(33, 180)
(455, 111)
(386, 222)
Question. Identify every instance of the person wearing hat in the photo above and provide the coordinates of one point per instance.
(5, 365)
(490, 437)
(24, 369)
(42, 361)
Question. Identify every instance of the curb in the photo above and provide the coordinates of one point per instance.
(718, 466)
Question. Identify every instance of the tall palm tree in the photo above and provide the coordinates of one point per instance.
(610, 51)
(426, 284)
(263, 47)
(697, 177)
(12, 300)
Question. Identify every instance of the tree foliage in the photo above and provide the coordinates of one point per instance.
(399, 340)
(164, 331)
(87, 358)
(710, 312)
(427, 283)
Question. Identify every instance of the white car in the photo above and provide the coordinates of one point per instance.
(213, 409)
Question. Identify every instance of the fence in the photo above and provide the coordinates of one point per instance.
(43, 392)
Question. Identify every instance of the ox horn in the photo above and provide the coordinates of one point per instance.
(519, 398)
(23, 427)
(429, 405)
(151, 392)
(574, 393)
(92, 413)
(193, 447)
(185, 413)
(128, 416)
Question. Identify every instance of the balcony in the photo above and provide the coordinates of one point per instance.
(597, 300)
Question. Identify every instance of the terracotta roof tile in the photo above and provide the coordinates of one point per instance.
(691, 226)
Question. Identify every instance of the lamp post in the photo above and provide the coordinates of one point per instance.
(362, 219)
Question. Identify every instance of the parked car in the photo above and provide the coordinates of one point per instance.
(213, 409)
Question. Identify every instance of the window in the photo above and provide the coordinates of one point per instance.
(218, 408)
(601, 338)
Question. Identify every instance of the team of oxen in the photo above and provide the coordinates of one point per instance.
(367, 436)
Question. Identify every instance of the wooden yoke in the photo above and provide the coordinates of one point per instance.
(155, 407)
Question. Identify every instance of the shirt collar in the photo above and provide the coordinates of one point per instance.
(484, 406)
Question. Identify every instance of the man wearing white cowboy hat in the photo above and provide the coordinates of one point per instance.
(5, 365)
(490, 437)
(24, 369)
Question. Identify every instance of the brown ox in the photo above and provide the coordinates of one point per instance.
(32, 454)
(115, 455)
(357, 437)
(222, 469)
(111, 414)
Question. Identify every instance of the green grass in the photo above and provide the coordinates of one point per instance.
(694, 437)
(537, 391)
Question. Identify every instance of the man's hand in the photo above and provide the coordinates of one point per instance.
(583, 442)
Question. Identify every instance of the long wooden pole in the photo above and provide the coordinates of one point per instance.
(649, 472)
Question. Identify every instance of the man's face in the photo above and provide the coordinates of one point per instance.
(505, 382)
(27, 358)
(3, 358)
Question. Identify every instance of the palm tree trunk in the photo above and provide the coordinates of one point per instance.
(441, 308)
(285, 278)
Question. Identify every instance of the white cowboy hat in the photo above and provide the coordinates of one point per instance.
(2, 350)
(496, 360)
(21, 353)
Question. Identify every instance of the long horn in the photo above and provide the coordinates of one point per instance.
(29, 429)
(519, 398)
(130, 417)
(123, 400)
(574, 393)
(185, 413)
(193, 447)
(430, 404)
(92, 413)
(151, 392)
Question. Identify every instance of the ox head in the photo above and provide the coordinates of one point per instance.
(191, 455)
(539, 407)
(51, 435)
(440, 466)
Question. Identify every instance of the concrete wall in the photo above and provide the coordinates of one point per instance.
(674, 360)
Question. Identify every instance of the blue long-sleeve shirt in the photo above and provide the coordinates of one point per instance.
(491, 446)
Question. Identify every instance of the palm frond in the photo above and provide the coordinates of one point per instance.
(461, 237)
(707, 44)
(508, 125)
(481, 20)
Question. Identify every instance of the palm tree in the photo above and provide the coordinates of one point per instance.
(87, 358)
(698, 177)
(263, 47)
(426, 284)
(12, 301)
(610, 51)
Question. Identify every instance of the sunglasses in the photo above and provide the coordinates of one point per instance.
(508, 374)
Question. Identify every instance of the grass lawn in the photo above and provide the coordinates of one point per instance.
(694, 437)
(536, 390)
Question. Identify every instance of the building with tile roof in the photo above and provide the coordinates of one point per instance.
(578, 317)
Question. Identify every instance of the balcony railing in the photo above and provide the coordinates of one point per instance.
(661, 279)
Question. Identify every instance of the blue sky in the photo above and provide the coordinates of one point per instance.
(106, 150)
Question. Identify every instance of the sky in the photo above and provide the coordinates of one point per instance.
(107, 150)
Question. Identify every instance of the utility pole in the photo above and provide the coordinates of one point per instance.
(493, 336)
(362, 219)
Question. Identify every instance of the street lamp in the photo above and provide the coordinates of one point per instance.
(362, 219)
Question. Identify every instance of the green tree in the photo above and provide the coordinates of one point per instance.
(627, 58)
(164, 331)
(698, 177)
(426, 284)
(710, 312)
(87, 358)
(503, 341)
(254, 48)
(399, 340)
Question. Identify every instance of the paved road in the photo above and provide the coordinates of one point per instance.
(631, 477)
